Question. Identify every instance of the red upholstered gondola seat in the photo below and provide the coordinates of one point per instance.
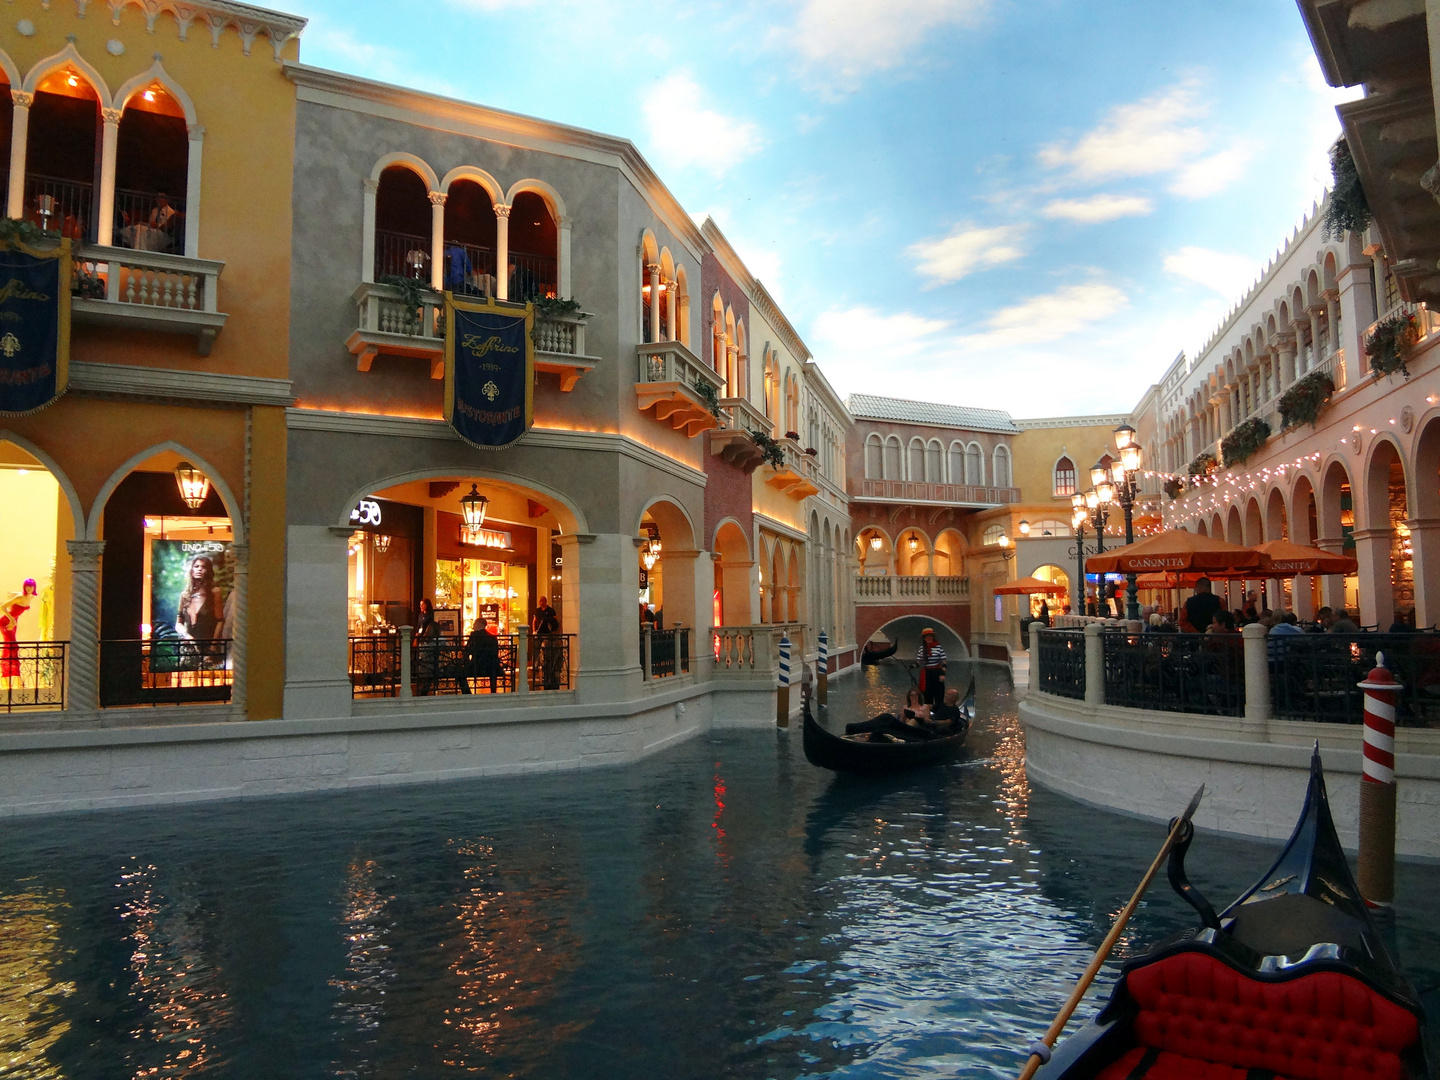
(1209, 1022)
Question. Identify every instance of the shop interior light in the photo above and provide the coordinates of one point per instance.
(1124, 437)
(382, 543)
(194, 485)
(473, 507)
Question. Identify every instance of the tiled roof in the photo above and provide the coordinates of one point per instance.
(924, 412)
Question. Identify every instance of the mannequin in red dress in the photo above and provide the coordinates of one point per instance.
(10, 613)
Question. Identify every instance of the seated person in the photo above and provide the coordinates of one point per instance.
(911, 726)
(946, 717)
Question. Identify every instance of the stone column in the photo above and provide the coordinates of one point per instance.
(671, 308)
(21, 101)
(652, 271)
(192, 191)
(570, 611)
(562, 260)
(437, 240)
(1377, 594)
(317, 622)
(1332, 586)
(1094, 664)
(1286, 369)
(601, 595)
(83, 692)
(369, 188)
(1425, 548)
(502, 251)
(1314, 316)
(236, 631)
(1302, 598)
(1357, 312)
(732, 370)
(109, 140)
(1258, 705)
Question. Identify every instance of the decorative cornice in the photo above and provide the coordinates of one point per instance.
(1114, 420)
(497, 125)
(247, 20)
(170, 384)
(410, 427)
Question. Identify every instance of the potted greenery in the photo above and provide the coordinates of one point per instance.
(1390, 343)
(1244, 441)
(1203, 465)
(413, 295)
(812, 451)
(87, 284)
(710, 396)
(774, 453)
(793, 436)
(1174, 487)
(1347, 209)
(552, 307)
(1302, 403)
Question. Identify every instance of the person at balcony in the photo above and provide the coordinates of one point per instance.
(1200, 609)
(162, 213)
(200, 612)
(458, 269)
(482, 655)
(10, 613)
(930, 659)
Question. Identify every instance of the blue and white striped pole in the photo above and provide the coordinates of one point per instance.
(822, 688)
(782, 694)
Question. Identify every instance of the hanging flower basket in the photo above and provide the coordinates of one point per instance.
(1203, 465)
(773, 451)
(1347, 209)
(1174, 487)
(1390, 343)
(1241, 444)
(1302, 403)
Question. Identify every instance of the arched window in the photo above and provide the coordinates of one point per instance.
(915, 464)
(934, 462)
(974, 465)
(874, 469)
(992, 535)
(957, 463)
(469, 239)
(1049, 527)
(1002, 467)
(892, 458)
(402, 225)
(1064, 477)
(152, 152)
(62, 155)
(533, 245)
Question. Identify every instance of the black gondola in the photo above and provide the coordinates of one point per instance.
(873, 653)
(861, 754)
(1290, 982)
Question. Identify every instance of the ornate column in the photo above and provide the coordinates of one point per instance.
(1425, 555)
(109, 140)
(671, 307)
(83, 693)
(502, 251)
(19, 128)
(437, 240)
(237, 630)
(1332, 586)
(1315, 357)
(562, 262)
(732, 370)
(192, 192)
(1377, 593)
(369, 188)
(1287, 361)
(652, 271)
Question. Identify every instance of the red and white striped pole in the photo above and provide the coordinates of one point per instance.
(1377, 788)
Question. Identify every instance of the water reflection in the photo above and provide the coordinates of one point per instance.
(31, 991)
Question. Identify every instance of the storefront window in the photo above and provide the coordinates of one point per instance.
(189, 578)
(380, 574)
(488, 588)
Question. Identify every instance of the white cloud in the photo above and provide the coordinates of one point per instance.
(1140, 139)
(1098, 208)
(1227, 274)
(1213, 174)
(1065, 311)
(842, 41)
(684, 132)
(329, 45)
(966, 250)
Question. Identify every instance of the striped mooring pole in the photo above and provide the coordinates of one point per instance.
(822, 687)
(782, 695)
(1377, 788)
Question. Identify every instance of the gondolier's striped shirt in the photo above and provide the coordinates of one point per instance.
(932, 657)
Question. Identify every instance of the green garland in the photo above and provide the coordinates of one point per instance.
(710, 396)
(1302, 403)
(773, 451)
(26, 232)
(1347, 210)
(552, 307)
(1203, 465)
(1241, 444)
(1174, 487)
(413, 294)
(1390, 342)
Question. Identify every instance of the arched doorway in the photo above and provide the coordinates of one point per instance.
(1054, 604)
(1383, 543)
(735, 592)
(469, 238)
(533, 246)
(1336, 520)
(912, 554)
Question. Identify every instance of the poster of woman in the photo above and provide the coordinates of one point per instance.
(191, 582)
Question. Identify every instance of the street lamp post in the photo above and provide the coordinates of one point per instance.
(1097, 501)
(1125, 480)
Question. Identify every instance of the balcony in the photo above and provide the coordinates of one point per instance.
(667, 375)
(148, 290)
(899, 588)
(386, 327)
(799, 476)
(919, 491)
(732, 441)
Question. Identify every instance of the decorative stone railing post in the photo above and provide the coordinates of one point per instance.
(407, 634)
(84, 661)
(1258, 704)
(522, 660)
(1035, 652)
(1094, 664)
(236, 631)
(647, 669)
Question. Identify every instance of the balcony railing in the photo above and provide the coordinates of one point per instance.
(1062, 663)
(888, 588)
(664, 653)
(164, 671)
(63, 206)
(799, 475)
(32, 675)
(922, 491)
(387, 326)
(148, 290)
(665, 385)
(731, 441)
(441, 666)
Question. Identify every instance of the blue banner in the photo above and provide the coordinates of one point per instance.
(34, 326)
(489, 370)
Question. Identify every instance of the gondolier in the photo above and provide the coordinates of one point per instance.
(930, 659)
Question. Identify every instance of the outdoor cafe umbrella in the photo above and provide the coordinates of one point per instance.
(1290, 560)
(1178, 551)
(1027, 585)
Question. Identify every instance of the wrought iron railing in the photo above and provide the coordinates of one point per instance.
(1194, 673)
(32, 675)
(1062, 663)
(375, 665)
(479, 279)
(443, 665)
(164, 671)
(664, 653)
(550, 661)
(63, 206)
(1314, 676)
(531, 276)
(402, 255)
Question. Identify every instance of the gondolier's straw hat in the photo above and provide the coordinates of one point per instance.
(927, 630)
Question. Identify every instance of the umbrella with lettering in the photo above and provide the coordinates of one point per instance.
(1178, 551)
(1025, 586)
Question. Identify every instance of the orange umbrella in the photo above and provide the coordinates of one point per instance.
(1164, 581)
(1027, 585)
(1289, 560)
(1178, 551)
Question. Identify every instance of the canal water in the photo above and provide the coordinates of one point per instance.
(719, 910)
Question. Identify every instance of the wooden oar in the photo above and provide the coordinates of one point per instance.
(1037, 1058)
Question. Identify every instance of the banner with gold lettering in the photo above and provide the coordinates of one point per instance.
(489, 370)
(34, 326)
